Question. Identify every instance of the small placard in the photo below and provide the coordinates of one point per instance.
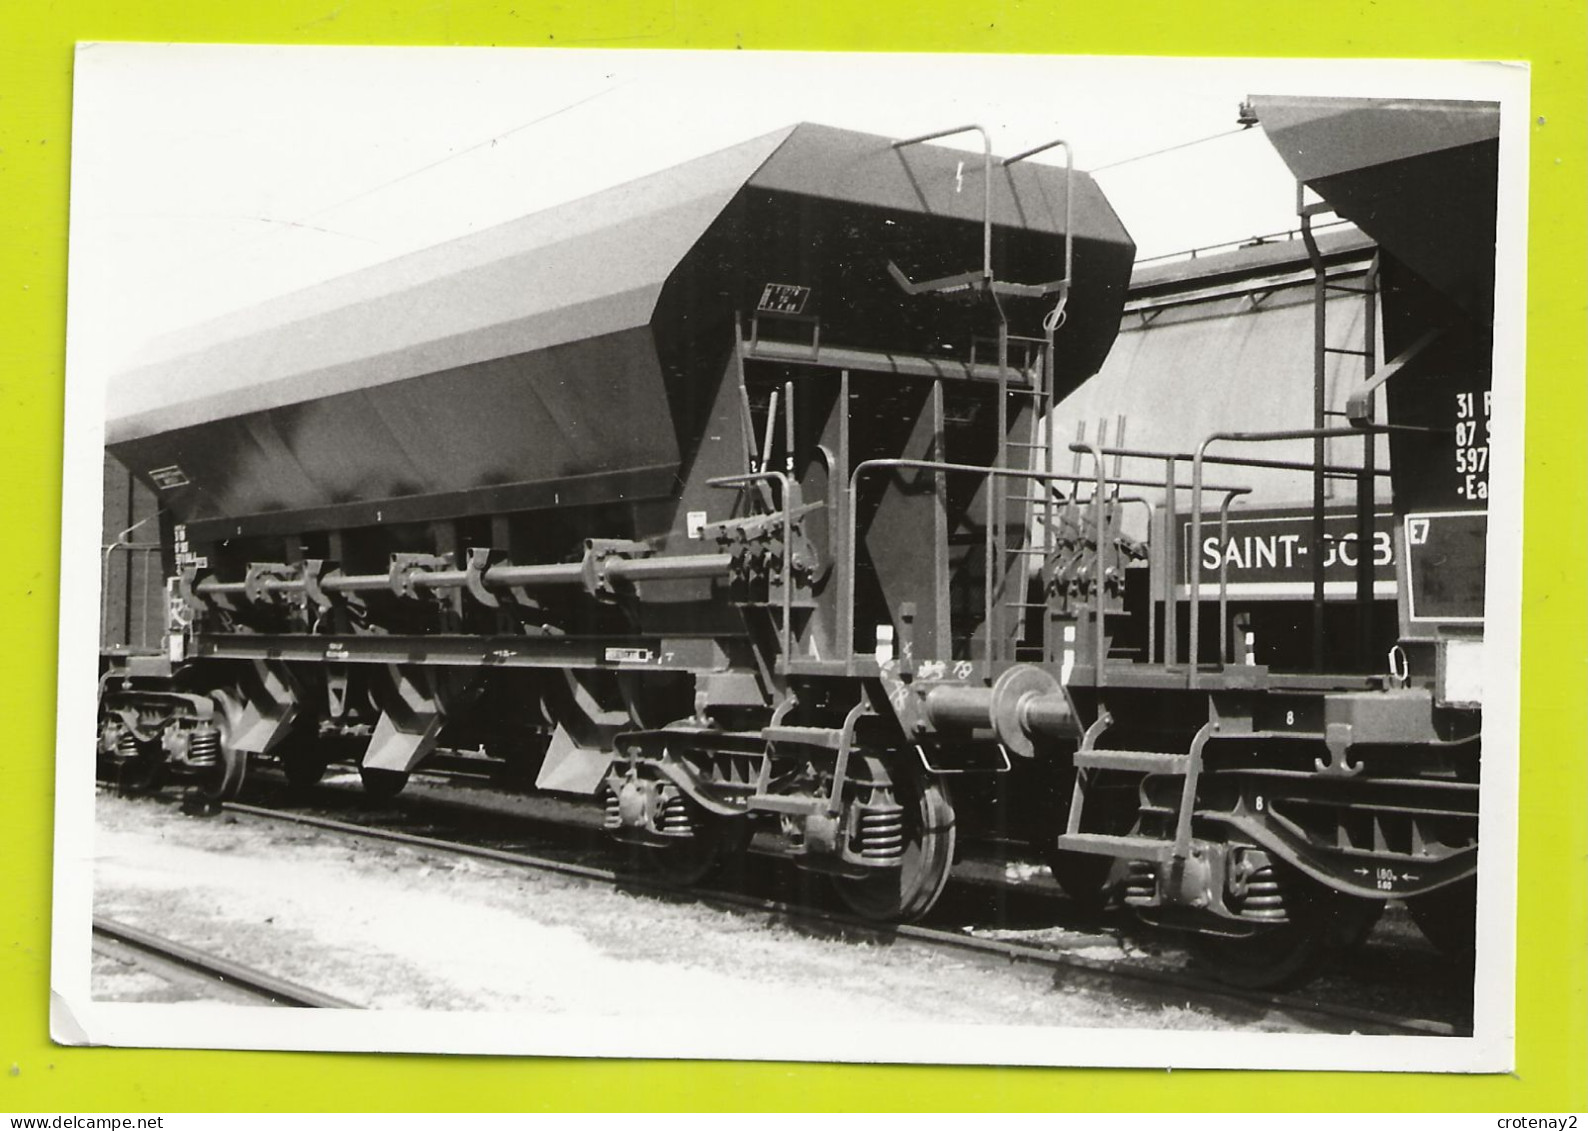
(783, 298)
(1445, 565)
(165, 478)
(629, 655)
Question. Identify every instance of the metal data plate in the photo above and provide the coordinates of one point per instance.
(783, 298)
(1445, 560)
(168, 478)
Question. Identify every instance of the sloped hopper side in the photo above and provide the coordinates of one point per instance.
(1421, 178)
(574, 356)
(1418, 176)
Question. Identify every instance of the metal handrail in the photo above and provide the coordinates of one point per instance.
(1171, 600)
(1197, 488)
(108, 552)
(847, 609)
(1063, 285)
(1341, 471)
(986, 188)
(1055, 317)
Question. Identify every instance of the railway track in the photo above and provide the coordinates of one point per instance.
(169, 955)
(1141, 982)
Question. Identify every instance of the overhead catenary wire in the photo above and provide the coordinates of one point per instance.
(1169, 149)
(485, 143)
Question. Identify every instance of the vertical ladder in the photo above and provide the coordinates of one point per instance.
(1367, 353)
(1013, 499)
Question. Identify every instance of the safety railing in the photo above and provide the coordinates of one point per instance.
(992, 625)
(1165, 588)
(1167, 557)
(985, 276)
(1317, 468)
(141, 562)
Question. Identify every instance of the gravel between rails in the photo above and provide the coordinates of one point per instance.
(999, 905)
(999, 892)
(1169, 985)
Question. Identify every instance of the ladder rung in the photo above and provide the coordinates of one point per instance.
(1131, 847)
(1138, 761)
(1357, 353)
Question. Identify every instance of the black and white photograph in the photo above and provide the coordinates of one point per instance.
(940, 559)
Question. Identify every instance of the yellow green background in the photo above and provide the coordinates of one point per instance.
(36, 39)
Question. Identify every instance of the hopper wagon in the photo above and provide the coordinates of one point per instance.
(736, 498)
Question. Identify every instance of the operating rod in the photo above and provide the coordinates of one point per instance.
(613, 568)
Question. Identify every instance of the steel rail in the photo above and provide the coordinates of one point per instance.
(924, 936)
(278, 990)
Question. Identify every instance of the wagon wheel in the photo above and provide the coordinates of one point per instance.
(382, 785)
(138, 774)
(682, 863)
(141, 773)
(690, 861)
(1352, 931)
(223, 781)
(1083, 876)
(304, 759)
(1448, 917)
(1288, 954)
(906, 893)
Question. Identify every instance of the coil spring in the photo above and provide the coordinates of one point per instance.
(204, 747)
(1265, 897)
(1141, 885)
(126, 747)
(674, 818)
(613, 818)
(879, 831)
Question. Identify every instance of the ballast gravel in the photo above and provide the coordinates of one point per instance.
(394, 927)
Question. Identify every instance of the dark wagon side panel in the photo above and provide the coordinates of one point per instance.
(585, 346)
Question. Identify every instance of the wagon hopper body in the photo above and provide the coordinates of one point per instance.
(673, 475)
(734, 496)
